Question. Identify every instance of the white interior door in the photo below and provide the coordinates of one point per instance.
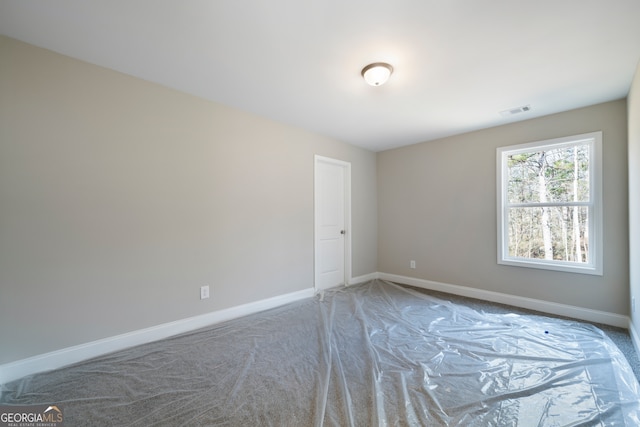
(332, 222)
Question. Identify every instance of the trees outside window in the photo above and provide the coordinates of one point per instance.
(549, 204)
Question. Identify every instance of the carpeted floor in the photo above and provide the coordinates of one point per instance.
(371, 354)
(619, 336)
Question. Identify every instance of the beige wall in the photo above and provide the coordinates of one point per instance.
(633, 106)
(437, 205)
(119, 198)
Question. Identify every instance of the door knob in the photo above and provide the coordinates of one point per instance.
(341, 231)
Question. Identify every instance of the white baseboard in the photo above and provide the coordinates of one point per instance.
(59, 358)
(581, 313)
(364, 278)
(635, 339)
(67, 356)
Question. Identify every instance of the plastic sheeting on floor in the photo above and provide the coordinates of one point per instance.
(373, 354)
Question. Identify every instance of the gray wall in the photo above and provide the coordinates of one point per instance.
(437, 205)
(633, 105)
(120, 198)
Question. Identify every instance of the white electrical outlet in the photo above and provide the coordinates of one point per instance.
(412, 264)
(204, 292)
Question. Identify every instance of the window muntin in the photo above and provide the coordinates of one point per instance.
(549, 204)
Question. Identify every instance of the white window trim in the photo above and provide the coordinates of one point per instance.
(594, 267)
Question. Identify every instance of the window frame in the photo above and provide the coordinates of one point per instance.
(595, 205)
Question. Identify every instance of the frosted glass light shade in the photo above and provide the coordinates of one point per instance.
(377, 74)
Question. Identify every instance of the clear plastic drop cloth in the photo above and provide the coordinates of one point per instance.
(375, 354)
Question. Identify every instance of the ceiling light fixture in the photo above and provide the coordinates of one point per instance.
(377, 74)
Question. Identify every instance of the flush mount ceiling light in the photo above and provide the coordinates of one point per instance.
(377, 74)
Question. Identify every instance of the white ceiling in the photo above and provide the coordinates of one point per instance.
(458, 63)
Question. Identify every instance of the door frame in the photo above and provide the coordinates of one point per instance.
(347, 216)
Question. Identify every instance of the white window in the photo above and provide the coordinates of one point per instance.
(550, 204)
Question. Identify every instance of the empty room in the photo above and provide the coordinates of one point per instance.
(413, 213)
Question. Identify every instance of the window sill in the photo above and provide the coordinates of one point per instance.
(553, 266)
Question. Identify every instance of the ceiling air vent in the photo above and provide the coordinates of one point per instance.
(514, 111)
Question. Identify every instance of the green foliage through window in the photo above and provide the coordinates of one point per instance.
(549, 204)
(542, 177)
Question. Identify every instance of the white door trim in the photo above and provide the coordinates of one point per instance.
(347, 214)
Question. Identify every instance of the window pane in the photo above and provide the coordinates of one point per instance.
(554, 175)
(565, 238)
